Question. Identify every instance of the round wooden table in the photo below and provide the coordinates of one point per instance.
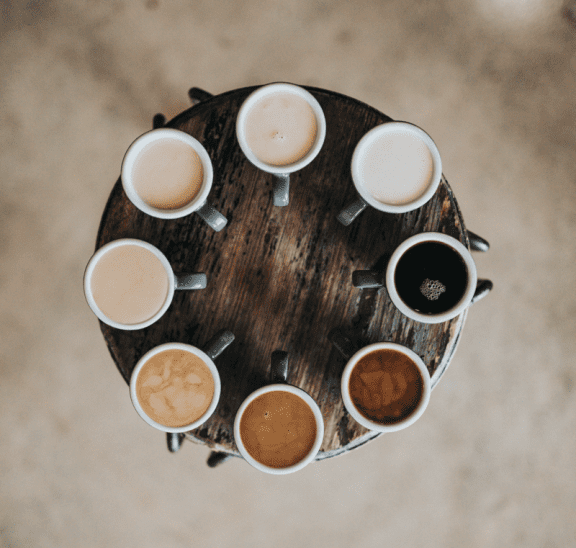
(280, 278)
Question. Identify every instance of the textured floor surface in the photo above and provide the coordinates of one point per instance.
(491, 462)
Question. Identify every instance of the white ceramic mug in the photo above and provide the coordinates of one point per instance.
(353, 357)
(185, 281)
(282, 173)
(403, 189)
(279, 373)
(369, 278)
(400, 424)
(207, 357)
(198, 204)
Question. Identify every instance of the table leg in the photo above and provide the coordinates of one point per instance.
(198, 95)
(174, 441)
(477, 243)
(158, 121)
(216, 458)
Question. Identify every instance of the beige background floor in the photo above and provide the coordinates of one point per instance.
(490, 464)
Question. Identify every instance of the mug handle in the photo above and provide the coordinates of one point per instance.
(342, 343)
(477, 243)
(350, 212)
(190, 281)
(217, 344)
(279, 368)
(483, 287)
(366, 279)
(281, 189)
(198, 95)
(213, 349)
(212, 217)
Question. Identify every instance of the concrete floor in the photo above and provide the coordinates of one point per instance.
(490, 464)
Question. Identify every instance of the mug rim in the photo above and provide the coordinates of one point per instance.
(273, 88)
(280, 387)
(132, 154)
(370, 424)
(90, 270)
(186, 348)
(393, 126)
(466, 298)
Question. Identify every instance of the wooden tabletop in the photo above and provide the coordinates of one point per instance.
(280, 278)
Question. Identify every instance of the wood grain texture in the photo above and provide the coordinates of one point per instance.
(281, 278)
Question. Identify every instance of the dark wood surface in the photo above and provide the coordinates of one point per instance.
(281, 278)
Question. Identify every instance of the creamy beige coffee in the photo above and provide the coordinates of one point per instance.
(386, 386)
(280, 128)
(396, 167)
(129, 284)
(175, 387)
(278, 429)
(167, 174)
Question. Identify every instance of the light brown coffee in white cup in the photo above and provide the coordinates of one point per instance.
(129, 283)
(279, 428)
(168, 174)
(175, 387)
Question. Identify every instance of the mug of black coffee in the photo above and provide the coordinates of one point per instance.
(431, 277)
(279, 428)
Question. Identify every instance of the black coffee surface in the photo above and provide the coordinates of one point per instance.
(431, 277)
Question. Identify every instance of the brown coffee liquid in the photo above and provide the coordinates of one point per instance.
(175, 388)
(167, 174)
(278, 429)
(386, 386)
(129, 284)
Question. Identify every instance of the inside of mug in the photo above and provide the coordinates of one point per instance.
(168, 172)
(263, 114)
(128, 283)
(279, 429)
(386, 386)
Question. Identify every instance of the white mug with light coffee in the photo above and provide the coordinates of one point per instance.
(168, 174)
(430, 277)
(280, 129)
(279, 428)
(396, 167)
(175, 387)
(129, 284)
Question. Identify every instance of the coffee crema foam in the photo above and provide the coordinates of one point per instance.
(129, 284)
(431, 277)
(167, 173)
(280, 128)
(278, 429)
(386, 386)
(396, 167)
(175, 387)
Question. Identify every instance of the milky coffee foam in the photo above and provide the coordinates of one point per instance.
(167, 173)
(175, 387)
(396, 167)
(129, 284)
(280, 128)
